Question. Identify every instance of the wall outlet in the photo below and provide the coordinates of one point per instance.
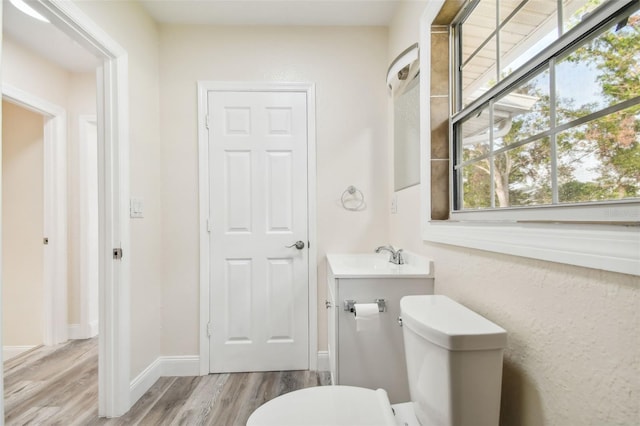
(394, 203)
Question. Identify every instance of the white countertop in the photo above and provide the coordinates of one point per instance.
(374, 265)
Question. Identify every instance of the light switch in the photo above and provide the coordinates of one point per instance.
(136, 206)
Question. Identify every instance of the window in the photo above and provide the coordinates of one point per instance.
(546, 123)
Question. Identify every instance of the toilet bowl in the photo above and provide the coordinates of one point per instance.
(454, 367)
(327, 405)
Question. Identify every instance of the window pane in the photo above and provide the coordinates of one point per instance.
(522, 176)
(526, 34)
(507, 7)
(478, 27)
(476, 185)
(600, 160)
(508, 160)
(479, 73)
(474, 135)
(523, 112)
(574, 10)
(603, 72)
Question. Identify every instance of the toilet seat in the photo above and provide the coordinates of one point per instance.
(326, 405)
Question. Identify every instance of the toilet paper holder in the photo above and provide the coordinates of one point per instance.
(349, 305)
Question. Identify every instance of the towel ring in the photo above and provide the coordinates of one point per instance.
(352, 195)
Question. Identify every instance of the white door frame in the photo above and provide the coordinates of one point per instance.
(88, 272)
(55, 210)
(113, 169)
(203, 180)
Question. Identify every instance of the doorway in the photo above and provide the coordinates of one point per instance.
(52, 216)
(113, 181)
(257, 198)
(22, 219)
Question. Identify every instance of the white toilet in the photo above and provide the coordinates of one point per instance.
(454, 364)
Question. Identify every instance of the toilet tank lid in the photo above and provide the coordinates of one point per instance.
(449, 324)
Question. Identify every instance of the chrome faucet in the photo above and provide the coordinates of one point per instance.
(395, 256)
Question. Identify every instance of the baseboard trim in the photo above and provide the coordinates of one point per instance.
(180, 366)
(77, 331)
(143, 381)
(9, 352)
(164, 366)
(323, 361)
(93, 328)
(74, 331)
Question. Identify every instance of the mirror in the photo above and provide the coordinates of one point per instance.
(406, 136)
(404, 83)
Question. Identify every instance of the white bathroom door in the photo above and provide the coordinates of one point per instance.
(258, 207)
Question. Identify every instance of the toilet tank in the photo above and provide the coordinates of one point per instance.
(454, 362)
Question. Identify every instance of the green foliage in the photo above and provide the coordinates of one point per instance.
(598, 160)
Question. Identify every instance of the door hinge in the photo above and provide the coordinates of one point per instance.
(207, 120)
(117, 253)
(209, 329)
(209, 225)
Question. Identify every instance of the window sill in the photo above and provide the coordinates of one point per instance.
(609, 248)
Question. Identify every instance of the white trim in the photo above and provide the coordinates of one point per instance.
(203, 196)
(324, 363)
(312, 212)
(1, 336)
(94, 328)
(616, 249)
(80, 331)
(180, 366)
(87, 170)
(74, 331)
(55, 210)
(143, 381)
(608, 248)
(203, 181)
(164, 366)
(113, 138)
(9, 352)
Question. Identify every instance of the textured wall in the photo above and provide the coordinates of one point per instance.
(573, 355)
(573, 352)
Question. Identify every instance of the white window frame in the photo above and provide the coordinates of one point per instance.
(607, 247)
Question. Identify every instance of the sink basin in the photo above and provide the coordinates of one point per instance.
(367, 265)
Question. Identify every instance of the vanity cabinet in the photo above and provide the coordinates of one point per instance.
(372, 358)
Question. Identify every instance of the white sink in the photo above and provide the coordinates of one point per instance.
(368, 265)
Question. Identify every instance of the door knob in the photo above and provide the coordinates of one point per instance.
(298, 244)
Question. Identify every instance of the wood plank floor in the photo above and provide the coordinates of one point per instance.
(58, 385)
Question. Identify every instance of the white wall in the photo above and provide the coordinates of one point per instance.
(81, 100)
(23, 226)
(132, 28)
(404, 28)
(573, 350)
(26, 70)
(348, 67)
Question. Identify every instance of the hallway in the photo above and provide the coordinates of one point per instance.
(59, 385)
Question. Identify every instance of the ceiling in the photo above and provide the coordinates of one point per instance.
(273, 12)
(57, 47)
(46, 40)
